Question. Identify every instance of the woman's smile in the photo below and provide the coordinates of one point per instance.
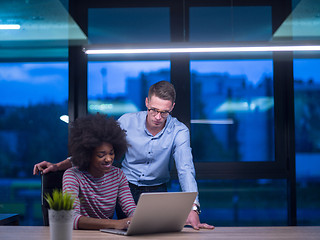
(102, 160)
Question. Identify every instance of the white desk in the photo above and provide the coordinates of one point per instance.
(220, 233)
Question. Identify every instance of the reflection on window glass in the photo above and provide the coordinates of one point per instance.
(259, 202)
(307, 129)
(232, 110)
(230, 24)
(33, 98)
(129, 25)
(115, 88)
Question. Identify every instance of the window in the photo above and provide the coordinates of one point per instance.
(115, 88)
(307, 128)
(33, 98)
(118, 87)
(241, 202)
(232, 110)
(249, 23)
(128, 25)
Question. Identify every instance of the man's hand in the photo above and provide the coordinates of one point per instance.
(194, 221)
(44, 167)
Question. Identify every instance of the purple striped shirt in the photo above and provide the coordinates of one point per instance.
(97, 197)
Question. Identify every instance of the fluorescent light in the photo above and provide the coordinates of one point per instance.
(9, 26)
(204, 49)
(218, 121)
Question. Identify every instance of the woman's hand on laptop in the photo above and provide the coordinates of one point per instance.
(194, 221)
(123, 223)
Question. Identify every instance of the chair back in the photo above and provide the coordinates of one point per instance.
(49, 181)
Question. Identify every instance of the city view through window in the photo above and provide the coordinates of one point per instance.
(231, 112)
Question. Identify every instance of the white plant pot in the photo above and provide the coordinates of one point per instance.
(61, 224)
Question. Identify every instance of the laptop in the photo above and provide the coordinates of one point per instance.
(159, 213)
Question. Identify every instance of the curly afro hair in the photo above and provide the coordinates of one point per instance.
(89, 132)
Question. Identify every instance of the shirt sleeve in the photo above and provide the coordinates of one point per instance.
(122, 121)
(184, 162)
(125, 199)
(71, 186)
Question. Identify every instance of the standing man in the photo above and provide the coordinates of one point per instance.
(155, 139)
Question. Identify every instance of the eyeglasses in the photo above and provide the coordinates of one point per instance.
(155, 111)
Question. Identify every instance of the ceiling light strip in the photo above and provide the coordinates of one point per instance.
(205, 50)
(218, 121)
(9, 26)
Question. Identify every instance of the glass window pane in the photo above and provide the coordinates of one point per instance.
(115, 88)
(230, 24)
(128, 25)
(33, 98)
(232, 110)
(259, 202)
(307, 128)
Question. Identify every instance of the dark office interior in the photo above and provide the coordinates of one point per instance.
(253, 116)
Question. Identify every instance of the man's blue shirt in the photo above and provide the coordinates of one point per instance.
(149, 158)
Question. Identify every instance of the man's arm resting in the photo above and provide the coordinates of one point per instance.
(45, 167)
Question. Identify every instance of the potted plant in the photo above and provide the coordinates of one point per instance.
(60, 214)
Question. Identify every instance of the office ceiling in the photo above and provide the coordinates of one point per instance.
(302, 24)
(47, 28)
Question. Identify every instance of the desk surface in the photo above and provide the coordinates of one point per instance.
(239, 233)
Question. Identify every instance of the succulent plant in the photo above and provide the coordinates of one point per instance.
(59, 200)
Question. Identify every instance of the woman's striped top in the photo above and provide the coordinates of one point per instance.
(97, 197)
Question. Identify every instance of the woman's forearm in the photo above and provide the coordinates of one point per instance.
(96, 223)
